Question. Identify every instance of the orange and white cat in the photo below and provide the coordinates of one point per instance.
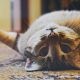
(69, 19)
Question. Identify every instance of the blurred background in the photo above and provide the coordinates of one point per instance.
(17, 15)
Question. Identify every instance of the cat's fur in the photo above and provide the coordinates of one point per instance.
(69, 19)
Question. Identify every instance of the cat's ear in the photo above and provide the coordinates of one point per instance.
(9, 38)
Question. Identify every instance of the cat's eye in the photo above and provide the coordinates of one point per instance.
(65, 48)
(43, 51)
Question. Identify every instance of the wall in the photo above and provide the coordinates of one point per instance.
(5, 22)
(34, 10)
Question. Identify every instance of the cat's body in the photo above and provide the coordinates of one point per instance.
(36, 40)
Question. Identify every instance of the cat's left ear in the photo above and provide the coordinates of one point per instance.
(9, 38)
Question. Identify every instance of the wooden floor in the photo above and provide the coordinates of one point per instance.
(10, 69)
